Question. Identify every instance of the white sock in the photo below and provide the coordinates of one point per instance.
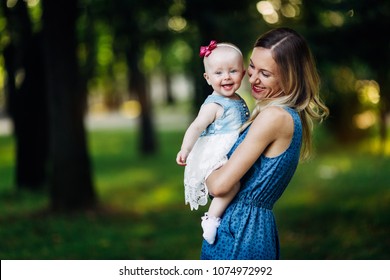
(210, 225)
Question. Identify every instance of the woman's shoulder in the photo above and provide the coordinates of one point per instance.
(275, 113)
(276, 117)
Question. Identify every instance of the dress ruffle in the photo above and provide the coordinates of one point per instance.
(208, 154)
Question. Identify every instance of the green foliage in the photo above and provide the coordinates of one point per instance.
(7, 148)
(336, 207)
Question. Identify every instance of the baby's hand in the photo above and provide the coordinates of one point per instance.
(181, 159)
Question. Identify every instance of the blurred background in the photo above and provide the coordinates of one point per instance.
(95, 96)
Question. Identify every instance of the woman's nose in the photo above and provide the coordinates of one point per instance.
(253, 79)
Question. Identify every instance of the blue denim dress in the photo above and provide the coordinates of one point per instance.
(211, 149)
(248, 229)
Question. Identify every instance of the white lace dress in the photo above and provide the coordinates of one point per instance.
(210, 150)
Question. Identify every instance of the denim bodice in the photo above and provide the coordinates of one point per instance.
(235, 114)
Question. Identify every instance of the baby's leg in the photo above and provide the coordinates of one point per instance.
(212, 219)
(219, 204)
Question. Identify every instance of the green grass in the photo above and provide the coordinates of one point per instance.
(336, 207)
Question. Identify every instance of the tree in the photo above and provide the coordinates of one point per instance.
(70, 181)
(131, 24)
(26, 97)
(346, 42)
(221, 20)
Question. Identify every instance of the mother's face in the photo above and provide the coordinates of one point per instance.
(264, 74)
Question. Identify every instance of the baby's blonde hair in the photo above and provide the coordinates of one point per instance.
(225, 44)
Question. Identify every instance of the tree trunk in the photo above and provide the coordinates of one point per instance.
(384, 107)
(71, 186)
(32, 122)
(26, 99)
(170, 100)
(137, 79)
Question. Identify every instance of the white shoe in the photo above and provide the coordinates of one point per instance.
(210, 225)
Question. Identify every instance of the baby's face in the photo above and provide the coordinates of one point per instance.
(224, 70)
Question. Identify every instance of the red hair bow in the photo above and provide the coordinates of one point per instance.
(206, 50)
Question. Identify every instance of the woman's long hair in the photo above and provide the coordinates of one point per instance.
(300, 81)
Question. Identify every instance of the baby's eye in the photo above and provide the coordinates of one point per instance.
(233, 71)
(218, 72)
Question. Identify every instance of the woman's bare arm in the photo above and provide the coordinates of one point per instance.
(270, 133)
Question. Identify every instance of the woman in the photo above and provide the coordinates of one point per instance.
(285, 84)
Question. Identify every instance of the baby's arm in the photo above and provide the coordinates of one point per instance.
(207, 114)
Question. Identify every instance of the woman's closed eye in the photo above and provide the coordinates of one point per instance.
(266, 74)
